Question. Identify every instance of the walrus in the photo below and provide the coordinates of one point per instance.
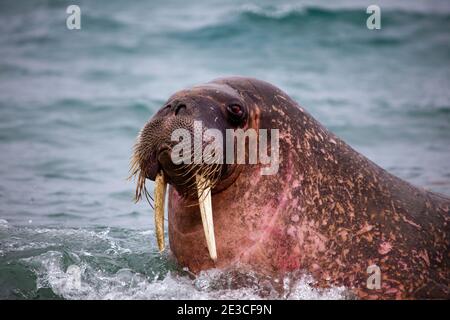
(328, 211)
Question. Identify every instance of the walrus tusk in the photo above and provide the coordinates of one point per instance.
(204, 200)
(160, 194)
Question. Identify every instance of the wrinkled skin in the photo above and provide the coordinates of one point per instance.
(328, 211)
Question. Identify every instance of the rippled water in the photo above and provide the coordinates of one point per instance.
(72, 102)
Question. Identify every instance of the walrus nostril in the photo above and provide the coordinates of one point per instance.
(179, 107)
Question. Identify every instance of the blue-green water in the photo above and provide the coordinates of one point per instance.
(72, 102)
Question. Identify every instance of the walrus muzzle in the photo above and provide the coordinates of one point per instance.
(152, 160)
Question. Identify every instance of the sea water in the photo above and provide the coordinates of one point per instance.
(73, 101)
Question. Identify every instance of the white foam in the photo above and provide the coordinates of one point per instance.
(127, 284)
(92, 272)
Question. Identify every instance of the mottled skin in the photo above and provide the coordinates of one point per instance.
(329, 211)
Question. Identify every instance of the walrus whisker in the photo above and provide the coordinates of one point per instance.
(147, 196)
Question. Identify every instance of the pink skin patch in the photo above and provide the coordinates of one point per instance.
(384, 248)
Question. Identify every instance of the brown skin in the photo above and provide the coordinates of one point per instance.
(328, 211)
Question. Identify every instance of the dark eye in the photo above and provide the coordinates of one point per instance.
(236, 112)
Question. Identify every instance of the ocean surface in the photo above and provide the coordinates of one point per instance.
(73, 101)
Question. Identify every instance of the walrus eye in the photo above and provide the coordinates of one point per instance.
(236, 112)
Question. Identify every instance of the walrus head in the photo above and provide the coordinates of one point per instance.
(214, 106)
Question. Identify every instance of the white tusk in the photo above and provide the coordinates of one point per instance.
(160, 194)
(204, 200)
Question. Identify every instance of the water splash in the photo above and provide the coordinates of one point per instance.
(112, 263)
(128, 284)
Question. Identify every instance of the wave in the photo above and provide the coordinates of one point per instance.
(287, 13)
(272, 23)
(82, 281)
(299, 14)
(307, 15)
(112, 263)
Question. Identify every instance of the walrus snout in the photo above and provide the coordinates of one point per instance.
(153, 169)
(170, 169)
(153, 159)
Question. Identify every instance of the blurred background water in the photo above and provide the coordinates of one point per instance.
(72, 103)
